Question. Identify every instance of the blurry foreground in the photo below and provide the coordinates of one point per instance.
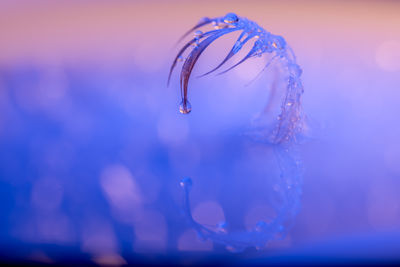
(93, 146)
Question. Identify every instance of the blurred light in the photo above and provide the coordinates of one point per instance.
(150, 232)
(40, 88)
(110, 259)
(54, 228)
(209, 213)
(121, 189)
(98, 237)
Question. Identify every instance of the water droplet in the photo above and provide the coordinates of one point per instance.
(204, 19)
(219, 26)
(231, 18)
(278, 42)
(198, 34)
(289, 103)
(215, 24)
(180, 59)
(186, 183)
(185, 107)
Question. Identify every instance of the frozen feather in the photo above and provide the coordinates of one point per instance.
(282, 137)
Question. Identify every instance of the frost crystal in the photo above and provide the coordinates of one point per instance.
(288, 124)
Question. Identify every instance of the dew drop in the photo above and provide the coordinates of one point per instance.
(204, 19)
(218, 25)
(231, 18)
(185, 107)
(186, 183)
(215, 24)
(198, 34)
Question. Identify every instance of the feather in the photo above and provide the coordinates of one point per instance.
(236, 48)
(199, 25)
(183, 49)
(251, 53)
(194, 56)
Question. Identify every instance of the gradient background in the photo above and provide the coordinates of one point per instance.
(93, 147)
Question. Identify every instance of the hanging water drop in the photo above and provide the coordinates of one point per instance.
(185, 107)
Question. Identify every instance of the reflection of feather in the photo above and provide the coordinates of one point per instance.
(283, 137)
